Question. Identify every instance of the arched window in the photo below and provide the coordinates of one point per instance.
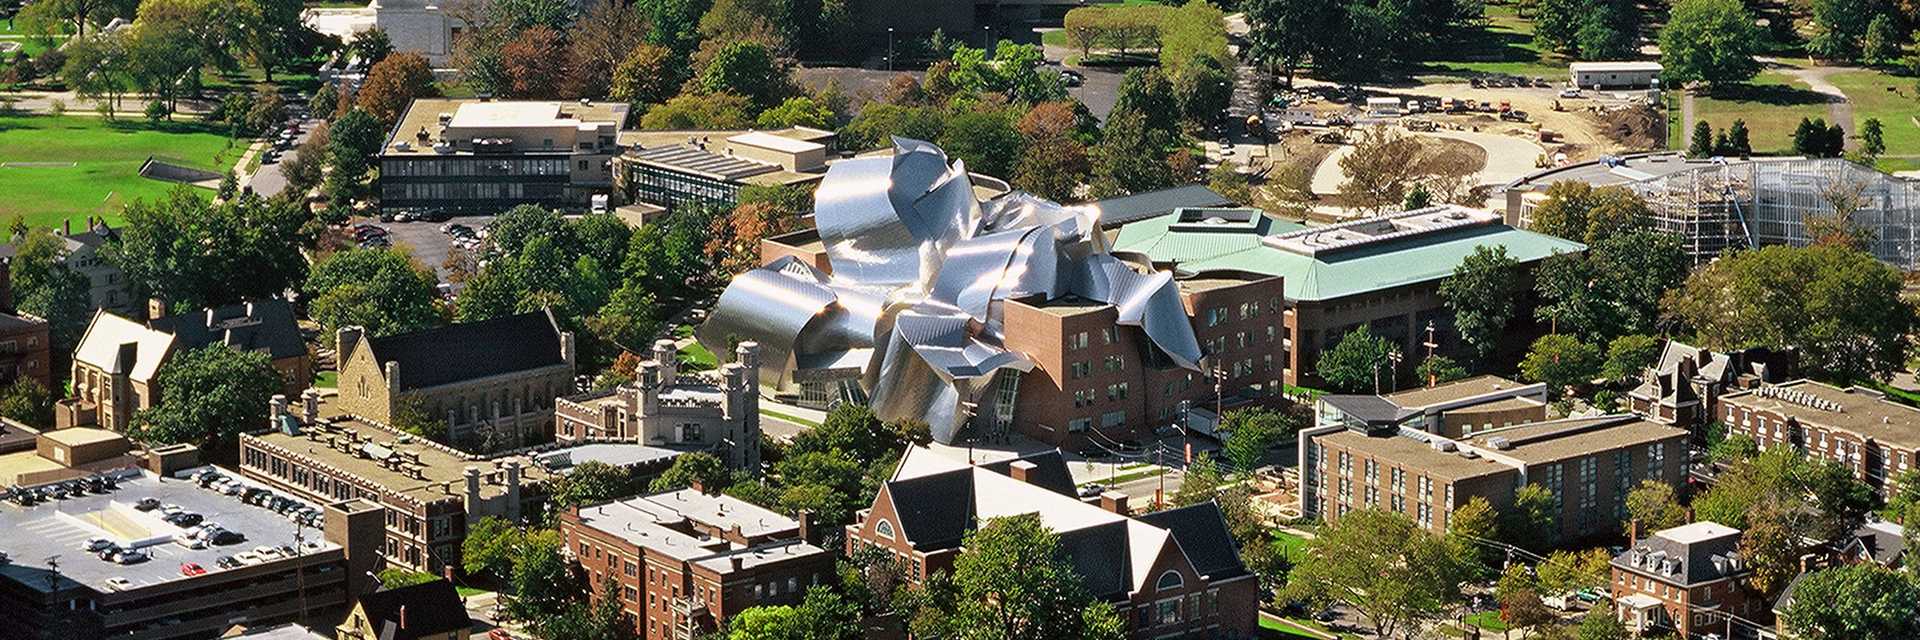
(884, 528)
(1169, 580)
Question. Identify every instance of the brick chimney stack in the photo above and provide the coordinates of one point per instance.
(1023, 470)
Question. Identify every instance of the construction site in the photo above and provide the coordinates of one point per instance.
(1720, 204)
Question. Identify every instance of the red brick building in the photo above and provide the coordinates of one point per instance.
(1174, 573)
(1687, 579)
(686, 561)
(1685, 386)
(1877, 438)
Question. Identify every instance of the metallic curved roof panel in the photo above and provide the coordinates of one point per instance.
(921, 270)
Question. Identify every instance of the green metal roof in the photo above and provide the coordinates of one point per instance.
(1388, 264)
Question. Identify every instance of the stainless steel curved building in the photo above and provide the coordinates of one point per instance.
(911, 313)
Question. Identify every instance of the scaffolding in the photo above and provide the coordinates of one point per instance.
(1754, 203)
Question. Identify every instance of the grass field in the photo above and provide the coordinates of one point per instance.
(1772, 105)
(1504, 46)
(1488, 620)
(1290, 545)
(1282, 629)
(1891, 99)
(92, 165)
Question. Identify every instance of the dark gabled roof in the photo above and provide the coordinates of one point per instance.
(1124, 209)
(1885, 543)
(1050, 471)
(264, 325)
(1099, 554)
(431, 608)
(934, 510)
(1367, 408)
(1202, 532)
(1687, 555)
(472, 350)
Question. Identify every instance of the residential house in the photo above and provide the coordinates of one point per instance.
(1686, 580)
(425, 611)
(107, 286)
(1684, 387)
(116, 367)
(1171, 573)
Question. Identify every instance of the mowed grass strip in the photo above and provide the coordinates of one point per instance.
(1772, 105)
(105, 172)
(1891, 99)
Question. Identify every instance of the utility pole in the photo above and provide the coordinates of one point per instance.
(1393, 377)
(1433, 379)
(889, 48)
(966, 416)
(299, 570)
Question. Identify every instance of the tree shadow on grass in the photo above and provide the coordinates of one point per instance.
(128, 125)
(1769, 94)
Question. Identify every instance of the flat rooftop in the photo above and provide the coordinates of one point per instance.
(1863, 412)
(442, 472)
(692, 159)
(59, 528)
(666, 523)
(80, 436)
(1415, 454)
(1697, 532)
(1453, 391)
(1065, 306)
(1336, 261)
(471, 113)
(1553, 440)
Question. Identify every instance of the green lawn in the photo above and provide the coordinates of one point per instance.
(1504, 46)
(1876, 94)
(327, 379)
(697, 357)
(789, 418)
(1488, 620)
(94, 164)
(1282, 629)
(1772, 105)
(1291, 545)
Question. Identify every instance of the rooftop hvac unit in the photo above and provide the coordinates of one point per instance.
(1442, 445)
(1499, 442)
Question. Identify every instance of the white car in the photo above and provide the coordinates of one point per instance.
(119, 584)
(170, 509)
(1570, 92)
(248, 558)
(96, 544)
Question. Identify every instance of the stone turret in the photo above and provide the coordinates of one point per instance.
(513, 490)
(649, 388)
(743, 403)
(666, 355)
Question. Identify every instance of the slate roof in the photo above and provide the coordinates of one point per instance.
(1686, 555)
(144, 348)
(1202, 532)
(938, 500)
(431, 608)
(471, 350)
(1884, 542)
(1422, 257)
(266, 324)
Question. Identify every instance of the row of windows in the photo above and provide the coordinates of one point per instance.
(471, 190)
(454, 167)
(649, 183)
(1191, 608)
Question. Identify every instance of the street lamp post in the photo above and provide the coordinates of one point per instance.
(889, 48)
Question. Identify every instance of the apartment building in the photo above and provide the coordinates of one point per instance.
(1454, 409)
(1684, 386)
(1857, 427)
(1382, 272)
(1588, 464)
(494, 381)
(26, 350)
(668, 408)
(53, 589)
(1683, 580)
(430, 492)
(1171, 574)
(479, 155)
(116, 367)
(685, 562)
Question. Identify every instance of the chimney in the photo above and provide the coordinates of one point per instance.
(567, 349)
(1113, 502)
(156, 308)
(1022, 470)
(805, 518)
(738, 562)
(698, 485)
(310, 406)
(276, 406)
(6, 285)
(66, 227)
(513, 490)
(473, 490)
(1633, 533)
(393, 380)
(210, 316)
(344, 340)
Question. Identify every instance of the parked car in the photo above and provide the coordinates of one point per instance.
(96, 544)
(226, 562)
(1570, 92)
(1091, 489)
(226, 537)
(131, 556)
(1072, 78)
(118, 583)
(191, 569)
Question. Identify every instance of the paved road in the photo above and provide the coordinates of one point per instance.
(1839, 107)
(269, 181)
(425, 241)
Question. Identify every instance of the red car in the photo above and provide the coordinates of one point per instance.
(191, 569)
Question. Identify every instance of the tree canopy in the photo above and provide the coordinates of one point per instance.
(209, 396)
(1394, 574)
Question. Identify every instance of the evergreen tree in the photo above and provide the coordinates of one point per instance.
(1701, 145)
(1739, 139)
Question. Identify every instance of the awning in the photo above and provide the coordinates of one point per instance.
(1640, 602)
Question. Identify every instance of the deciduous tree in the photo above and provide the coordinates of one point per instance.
(1359, 363)
(1384, 567)
(393, 84)
(1481, 296)
(1854, 602)
(1561, 362)
(210, 395)
(1709, 41)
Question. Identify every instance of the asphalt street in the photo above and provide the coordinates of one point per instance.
(269, 181)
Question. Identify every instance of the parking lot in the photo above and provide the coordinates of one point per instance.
(424, 240)
(59, 529)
